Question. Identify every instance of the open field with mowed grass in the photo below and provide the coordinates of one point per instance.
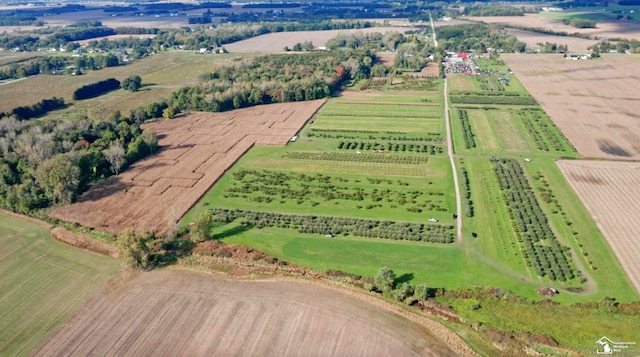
(43, 282)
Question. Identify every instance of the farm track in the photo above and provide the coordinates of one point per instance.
(453, 163)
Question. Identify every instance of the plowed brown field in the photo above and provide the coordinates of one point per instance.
(276, 42)
(194, 152)
(179, 313)
(593, 102)
(603, 29)
(611, 192)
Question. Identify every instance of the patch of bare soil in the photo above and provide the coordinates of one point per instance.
(611, 192)
(386, 58)
(429, 71)
(593, 102)
(195, 151)
(171, 313)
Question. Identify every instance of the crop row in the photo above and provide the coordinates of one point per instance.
(281, 178)
(466, 192)
(487, 94)
(380, 158)
(467, 132)
(333, 135)
(325, 225)
(427, 85)
(364, 131)
(542, 249)
(493, 99)
(376, 146)
(548, 197)
(489, 83)
(538, 127)
(381, 111)
(374, 83)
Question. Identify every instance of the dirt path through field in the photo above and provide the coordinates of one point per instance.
(173, 312)
(453, 163)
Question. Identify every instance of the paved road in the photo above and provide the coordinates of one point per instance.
(453, 162)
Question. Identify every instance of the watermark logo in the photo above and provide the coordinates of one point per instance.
(609, 347)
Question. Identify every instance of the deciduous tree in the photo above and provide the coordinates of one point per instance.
(59, 178)
(115, 156)
(384, 279)
(200, 229)
(133, 248)
(132, 83)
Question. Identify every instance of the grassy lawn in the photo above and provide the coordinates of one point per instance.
(496, 237)
(434, 264)
(43, 282)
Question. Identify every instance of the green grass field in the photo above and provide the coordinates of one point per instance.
(43, 282)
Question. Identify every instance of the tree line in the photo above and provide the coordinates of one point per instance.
(273, 79)
(51, 162)
(31, 111)
(96, 89)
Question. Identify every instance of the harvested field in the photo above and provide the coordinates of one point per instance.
(532, 39)
(171, 313)
(613, 29)
(611, 192)
(593, 102)
(194, 152)
(276, 42)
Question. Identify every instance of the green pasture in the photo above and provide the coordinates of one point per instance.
(436, 265)
(380, 123)
(496, 239)
(384, 118)
(598, 14)
(501, 130)
(43, 282)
